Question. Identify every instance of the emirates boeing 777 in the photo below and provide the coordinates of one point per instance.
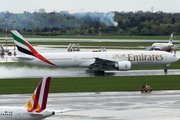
(119, 60)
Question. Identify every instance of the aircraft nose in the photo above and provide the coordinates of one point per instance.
(175, 58)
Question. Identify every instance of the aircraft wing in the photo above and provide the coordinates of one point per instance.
(63, 111)
(25, 58)
(102, 62)
(2, 49)
(155, 48)
(22, 58)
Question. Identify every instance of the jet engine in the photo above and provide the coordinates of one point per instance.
(123, 66)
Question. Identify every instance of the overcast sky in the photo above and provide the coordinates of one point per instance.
(74, 6)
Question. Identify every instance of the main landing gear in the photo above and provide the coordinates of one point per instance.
(165, 69)
(96, 72)
(99, 72)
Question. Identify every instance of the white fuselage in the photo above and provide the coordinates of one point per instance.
(21, 113)
(85, 59)
(162, 46)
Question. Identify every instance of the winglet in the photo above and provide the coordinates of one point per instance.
(170, 40)
(38, 99)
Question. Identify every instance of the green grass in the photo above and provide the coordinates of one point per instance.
(91, 84)
(102, 37)
(129, 44)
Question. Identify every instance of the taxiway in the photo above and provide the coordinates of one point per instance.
(157, 105)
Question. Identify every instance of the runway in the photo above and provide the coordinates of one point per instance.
(36, 72)
(158, 105)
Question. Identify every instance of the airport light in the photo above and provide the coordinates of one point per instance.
(78, 38)
(14, 23)
(6, 32)
(78, 35)
(99, 35)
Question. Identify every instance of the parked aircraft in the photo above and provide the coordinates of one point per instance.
(121, 61)
(35, 109)
(163, 46)
(1, 50)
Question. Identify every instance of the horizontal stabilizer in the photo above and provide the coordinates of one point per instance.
(25, 58)
(63, 111)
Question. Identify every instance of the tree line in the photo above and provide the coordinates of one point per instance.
(129, 23)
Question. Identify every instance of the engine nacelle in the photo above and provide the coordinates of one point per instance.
(123, 66)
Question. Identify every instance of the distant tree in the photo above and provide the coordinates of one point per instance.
(133, 31)
(120, 32)
(173, 20)
(177, 27)
(45, 29)
(166, 20)
(92, 29)
(155, 30)
(55, 29)
(143, 19)
(144, 31)
(121, 25)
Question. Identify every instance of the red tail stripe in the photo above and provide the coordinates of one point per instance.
(31, 110)
(37, 95)
(46, 91)
(39, 56)
(39, 110)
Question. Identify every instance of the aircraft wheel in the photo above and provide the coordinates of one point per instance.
(89, 71)
(99, 72)
(165, 70)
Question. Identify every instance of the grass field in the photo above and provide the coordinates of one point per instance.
(91, 84)
(129, 44)
(102, 37)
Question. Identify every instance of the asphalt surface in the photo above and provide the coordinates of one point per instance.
(35, 72)
(157, 105)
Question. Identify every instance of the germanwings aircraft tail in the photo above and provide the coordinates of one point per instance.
(170, 40)
(38, 100)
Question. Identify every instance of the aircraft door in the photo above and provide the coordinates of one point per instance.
(75, 59)
(18, 114)
(165, 57)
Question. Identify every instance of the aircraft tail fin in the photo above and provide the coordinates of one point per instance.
(38, 100)
(22, 44)
(2, 49)
(24, 47)
(171, 38)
